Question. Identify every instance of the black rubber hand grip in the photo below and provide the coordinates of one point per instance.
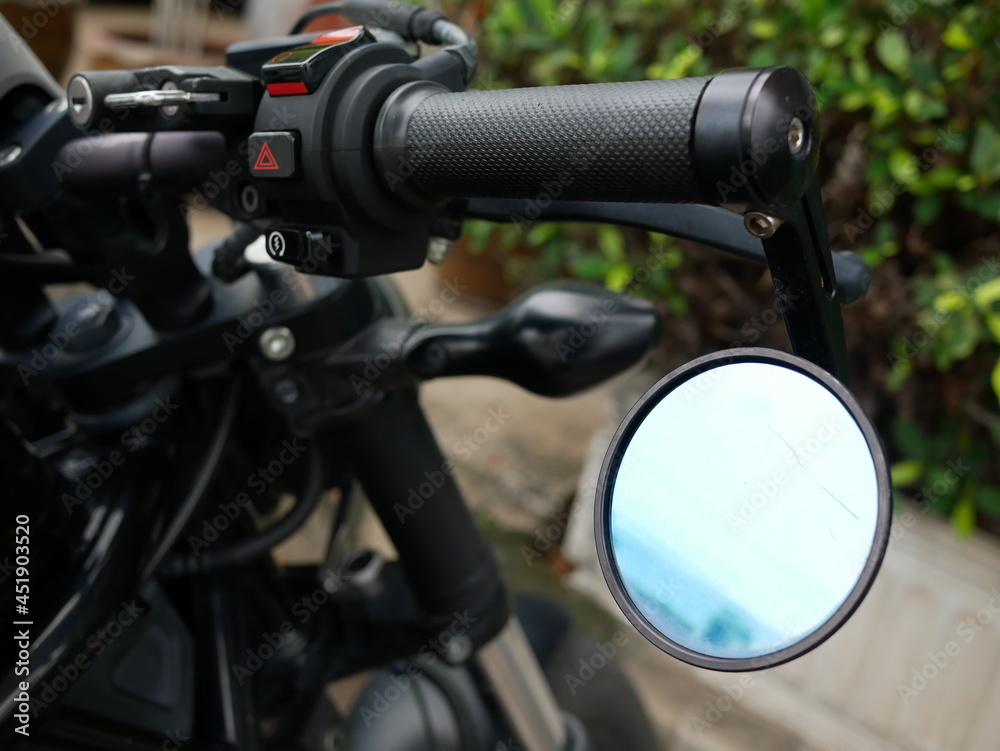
(619, 141)
(722, 140)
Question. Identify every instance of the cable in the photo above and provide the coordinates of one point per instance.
(217, 442)
(412, 22)
(229, 261)
(261, 543)
(318, 11)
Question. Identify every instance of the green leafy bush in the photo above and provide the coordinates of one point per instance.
(910, 169)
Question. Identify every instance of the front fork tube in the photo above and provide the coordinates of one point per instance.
(448, 562)
(510, 667)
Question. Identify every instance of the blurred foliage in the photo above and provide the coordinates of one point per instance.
(910, 168)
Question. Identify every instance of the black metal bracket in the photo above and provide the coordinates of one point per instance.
(708, 225)
(810, 281)
(798, 253)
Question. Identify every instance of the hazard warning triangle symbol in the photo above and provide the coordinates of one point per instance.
(265, 159)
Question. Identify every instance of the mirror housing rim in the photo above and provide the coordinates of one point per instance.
(612, 462)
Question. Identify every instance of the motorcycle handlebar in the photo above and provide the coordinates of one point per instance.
(743, 138)
(174, 160)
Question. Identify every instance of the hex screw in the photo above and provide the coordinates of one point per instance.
(277, 343)
(761, 225)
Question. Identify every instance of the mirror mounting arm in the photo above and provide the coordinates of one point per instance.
(798, 253)
(709, 225)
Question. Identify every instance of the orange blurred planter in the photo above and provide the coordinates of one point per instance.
(110, 49)
(47, 28)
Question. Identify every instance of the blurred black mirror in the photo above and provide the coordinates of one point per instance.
(743, 510)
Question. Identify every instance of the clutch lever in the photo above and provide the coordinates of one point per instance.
(709, 225)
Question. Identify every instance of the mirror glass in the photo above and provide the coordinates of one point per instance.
(743, 510)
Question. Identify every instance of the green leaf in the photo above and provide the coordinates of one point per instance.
(963, 517)
(901, 369)
(894, 51)
(949, 302)
(833, 35)
(763, 28)
(678, 305)
(860, 72)
(957, 37)
(853, 100)
(885, 103)
(924, 72)
(995, 380)
(987, 293)
(926, 209)
(965, 183)
(909, 438)
(611, 241)
(984, 157)
(902, 166)
(589, 266)
(618, 276)
(942, 178)
(993, 324)
(907, 473)
(987, 205)
(988, 500)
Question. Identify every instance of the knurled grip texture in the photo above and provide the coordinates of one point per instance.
(593, 142)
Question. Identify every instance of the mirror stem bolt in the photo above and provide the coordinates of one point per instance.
(761, 225)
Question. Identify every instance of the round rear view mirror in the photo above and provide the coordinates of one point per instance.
(743, 510)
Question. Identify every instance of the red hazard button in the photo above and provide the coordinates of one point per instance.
(272, 154)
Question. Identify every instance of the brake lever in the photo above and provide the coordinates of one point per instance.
(708, 225)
